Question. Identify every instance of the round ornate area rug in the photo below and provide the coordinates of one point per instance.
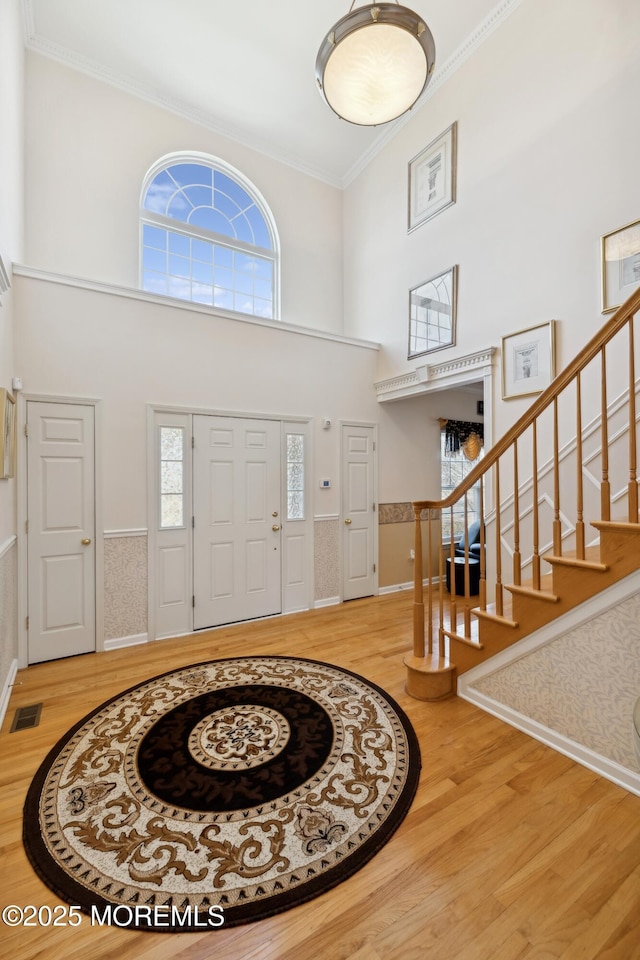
(222, 792)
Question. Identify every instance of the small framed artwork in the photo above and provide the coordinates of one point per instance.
(7, 434)
(432, 314)
(432, 178)
(528, 361)
(620, 265)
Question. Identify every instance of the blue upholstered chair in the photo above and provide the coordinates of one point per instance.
(473, 534)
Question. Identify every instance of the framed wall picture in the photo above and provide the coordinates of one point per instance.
(432, 178)
(620, 265)
(528, 361)
(7, 434)
(432, 314)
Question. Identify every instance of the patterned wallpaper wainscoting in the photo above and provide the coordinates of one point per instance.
(327, 558)
(125, 585)
(583, 685)
(399, 513)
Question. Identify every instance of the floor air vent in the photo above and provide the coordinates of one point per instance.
(26, 717)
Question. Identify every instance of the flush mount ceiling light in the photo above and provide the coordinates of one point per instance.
(375, 62)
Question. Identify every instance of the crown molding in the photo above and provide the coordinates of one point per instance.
(438, 376)
(459, 57)
(160, 98)
(151, 94)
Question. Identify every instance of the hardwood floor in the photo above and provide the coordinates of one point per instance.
(510, 850)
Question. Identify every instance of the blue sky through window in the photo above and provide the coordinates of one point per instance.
(221, 251)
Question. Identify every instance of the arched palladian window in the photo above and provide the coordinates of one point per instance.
(208, 236)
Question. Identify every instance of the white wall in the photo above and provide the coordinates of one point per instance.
(89, 146)
(547, 162)
(548, 142)
(11, 140)
(410, 442)
(11, 206)
(11, 235)
(129, 353)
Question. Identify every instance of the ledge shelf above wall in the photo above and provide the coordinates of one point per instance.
(438, 376)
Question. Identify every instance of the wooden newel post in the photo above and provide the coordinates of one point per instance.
(429, 675)
(418, 593)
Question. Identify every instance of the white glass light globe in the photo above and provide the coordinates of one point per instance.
(375, 74)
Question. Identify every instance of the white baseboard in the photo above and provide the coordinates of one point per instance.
(133, 641)
(397, 587)
(609, 769)
(6, 690)
(327, 602)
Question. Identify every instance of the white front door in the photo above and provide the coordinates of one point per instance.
(358, 512)
(61, 530)
(237, 523)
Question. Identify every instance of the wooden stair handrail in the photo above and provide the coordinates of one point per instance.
(623, 315)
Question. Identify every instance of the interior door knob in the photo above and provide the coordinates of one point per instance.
(85, 542)
(347, 521)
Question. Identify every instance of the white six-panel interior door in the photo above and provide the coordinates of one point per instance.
(61, 548)
(358, 512)
(237, 524)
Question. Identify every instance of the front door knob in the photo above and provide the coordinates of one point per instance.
(347, 521)
(275, 528)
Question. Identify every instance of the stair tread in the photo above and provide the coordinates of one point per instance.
(590, 561)
(505, 618)
(457, 633)
(430, 663)
(527, 589)
(619, 526)
(495, 617)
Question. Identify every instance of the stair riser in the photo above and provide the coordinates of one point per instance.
(465, 656)
(620, 550)
(580, 584)
(529, 613)
(572, 584)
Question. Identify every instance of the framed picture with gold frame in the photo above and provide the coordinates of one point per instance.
(620, 265)
(7, 434)
(528, 361)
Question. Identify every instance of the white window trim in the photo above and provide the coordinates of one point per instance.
(170, 159)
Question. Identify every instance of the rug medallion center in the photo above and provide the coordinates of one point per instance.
(239, 737)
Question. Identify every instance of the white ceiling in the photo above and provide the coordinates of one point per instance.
(245, 68)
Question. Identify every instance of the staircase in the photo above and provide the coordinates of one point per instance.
(548, 544)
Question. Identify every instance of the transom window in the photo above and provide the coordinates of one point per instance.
(208, 237)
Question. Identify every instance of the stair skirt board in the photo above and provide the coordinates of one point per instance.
(609, 769)
(595, 606)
